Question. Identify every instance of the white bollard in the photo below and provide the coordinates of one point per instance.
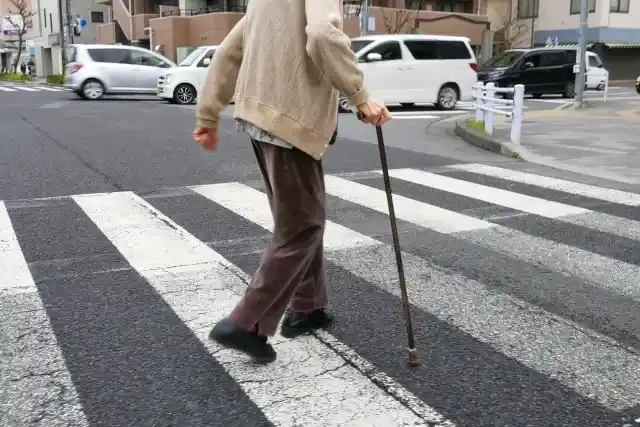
(606, 86)
(516, 117)
(478, 90)
(488, 117)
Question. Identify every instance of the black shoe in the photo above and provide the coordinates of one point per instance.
(250, 343)
(296, 324)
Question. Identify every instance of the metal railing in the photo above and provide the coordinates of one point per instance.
(204, 10)
(485, 103)
(604, 87)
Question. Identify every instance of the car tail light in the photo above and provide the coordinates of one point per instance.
(74, 68)
(473, 66)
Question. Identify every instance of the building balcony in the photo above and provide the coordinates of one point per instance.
(106, 33)
(209, 25)
(228, 8)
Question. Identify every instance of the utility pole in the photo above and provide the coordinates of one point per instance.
(364, 17)
(582, 51)
(69, 21)
(63, 50)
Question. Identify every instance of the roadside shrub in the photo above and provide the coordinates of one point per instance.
(15, 77)
(56, 79)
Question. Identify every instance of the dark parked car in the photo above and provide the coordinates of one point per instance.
(541, 70)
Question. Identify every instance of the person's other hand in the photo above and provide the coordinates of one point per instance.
(374, 112)
(206, 137)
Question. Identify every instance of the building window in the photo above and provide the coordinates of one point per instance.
(227, 5)
(619, 6)
(528, 9)
(442, 6)
(97, 17)
(414, 4)
(574, 8)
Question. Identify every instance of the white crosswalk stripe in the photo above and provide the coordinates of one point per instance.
(31, 89)
(552, 307)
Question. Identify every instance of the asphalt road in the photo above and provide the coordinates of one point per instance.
(122, 243)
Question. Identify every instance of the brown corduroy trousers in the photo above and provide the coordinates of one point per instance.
(291, 272)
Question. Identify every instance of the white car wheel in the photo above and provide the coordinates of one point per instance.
(92, 89)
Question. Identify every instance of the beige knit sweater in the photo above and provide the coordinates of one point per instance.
(285, 61)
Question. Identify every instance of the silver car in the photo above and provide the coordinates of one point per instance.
(95, 70)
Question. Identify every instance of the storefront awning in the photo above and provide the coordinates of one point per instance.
(622, 45)
(569, 46)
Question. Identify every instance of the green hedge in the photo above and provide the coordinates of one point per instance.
(15, 77)
(56, 79)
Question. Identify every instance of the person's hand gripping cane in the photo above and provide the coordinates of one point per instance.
(373, 112)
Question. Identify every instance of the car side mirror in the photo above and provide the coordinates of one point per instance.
(527, 65)
(374, 57)
(206, 62)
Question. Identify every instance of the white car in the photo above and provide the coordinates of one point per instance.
(182, 84)
(96, 70)
(412, 69)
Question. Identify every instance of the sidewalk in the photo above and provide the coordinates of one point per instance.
(601, 140)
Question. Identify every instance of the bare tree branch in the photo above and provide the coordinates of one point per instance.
(395, 20)
(508, 34)
(22, 9)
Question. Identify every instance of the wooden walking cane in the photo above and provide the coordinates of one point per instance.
(413, 354)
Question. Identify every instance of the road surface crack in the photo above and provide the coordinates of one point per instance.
(91, 167)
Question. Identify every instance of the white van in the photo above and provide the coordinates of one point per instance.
(412, 69)
(182, 84)
(596, 75)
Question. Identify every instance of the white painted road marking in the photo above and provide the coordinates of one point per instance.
(32, 368)
(16, 277)
(50, 89)
(586, 190)
(423, 214)
(25, 88)
(551, 347)
(194, 280)
(253, 205)
(570, 214)
(492, 195)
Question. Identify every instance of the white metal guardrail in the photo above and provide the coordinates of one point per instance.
(485, 101)
(604, 87)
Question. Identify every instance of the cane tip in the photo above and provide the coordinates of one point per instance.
(413, 357)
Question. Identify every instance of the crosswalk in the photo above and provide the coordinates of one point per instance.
(34, 88)
(525, 292)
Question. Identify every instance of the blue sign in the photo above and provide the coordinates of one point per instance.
(83, 23)
(554, 40)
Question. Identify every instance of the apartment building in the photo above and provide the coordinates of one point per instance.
(42, 40)
(47, 45)
(613, 33)
(175, 27)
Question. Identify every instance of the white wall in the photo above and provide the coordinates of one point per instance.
(626, 20)
(554, 15)
(497, 12)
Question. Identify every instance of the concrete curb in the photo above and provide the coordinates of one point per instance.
(487, 142)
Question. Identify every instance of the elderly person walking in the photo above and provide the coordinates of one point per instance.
(285, 62)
